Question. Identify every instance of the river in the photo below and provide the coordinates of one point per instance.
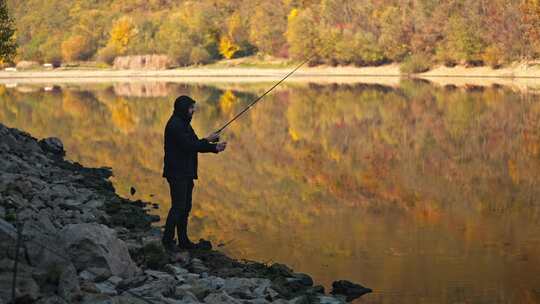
(424, 193)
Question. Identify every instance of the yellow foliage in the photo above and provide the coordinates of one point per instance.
(293, 134)
(122, 117)
(122, 32)
(75, 48)
(292, 14)
(513, 171)
(227, 101)
(227, 48)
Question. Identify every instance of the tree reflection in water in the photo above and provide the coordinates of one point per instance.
(420, 192)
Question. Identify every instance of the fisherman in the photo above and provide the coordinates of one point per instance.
(180, 169)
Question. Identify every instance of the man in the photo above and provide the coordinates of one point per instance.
(180, 168)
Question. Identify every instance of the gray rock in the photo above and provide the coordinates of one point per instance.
(115, 280)
(2, 212)
(158, 274)
(100, 273)
(329, 300)
(204, 286)
(175, 270)
(53, 145)
(303, 279)
(300, 300)
(52, 300)
(255, 301)
(61, 190)
(94, 204)
(8, 237)
(44, 219)
(86, 275)
(185, 296)
(156, 288)
(220, 298)
(26, 285)
(70, 204)
(244, 288)
(96, 245)
(68, 283)
(107, 288)
(349, 289)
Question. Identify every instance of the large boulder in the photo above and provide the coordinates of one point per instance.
(95, 245)
(26, 64)
(53, 145)
(349, 289)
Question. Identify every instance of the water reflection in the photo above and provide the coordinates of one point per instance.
(423, 193)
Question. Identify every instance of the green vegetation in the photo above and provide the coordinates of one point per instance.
(7, 38)
(339, 32)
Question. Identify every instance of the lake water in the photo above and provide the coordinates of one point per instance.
(426, 194)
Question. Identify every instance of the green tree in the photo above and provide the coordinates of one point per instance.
(8, 45)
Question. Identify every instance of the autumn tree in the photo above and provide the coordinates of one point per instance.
(76, 47)
(268, 26)
(530, 18)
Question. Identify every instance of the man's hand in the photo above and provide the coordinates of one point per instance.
(214, 137)
(220, 147)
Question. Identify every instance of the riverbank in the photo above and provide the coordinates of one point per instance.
(520, 76)
(82, 243)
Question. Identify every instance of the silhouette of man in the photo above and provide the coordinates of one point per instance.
(180, 168)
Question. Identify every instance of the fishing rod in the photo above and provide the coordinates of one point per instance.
(264, 94)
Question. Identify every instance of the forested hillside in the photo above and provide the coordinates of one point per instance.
(340, 32)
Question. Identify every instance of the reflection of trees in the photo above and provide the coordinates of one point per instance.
(306, 155)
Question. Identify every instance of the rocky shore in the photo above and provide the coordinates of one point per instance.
(82, 243)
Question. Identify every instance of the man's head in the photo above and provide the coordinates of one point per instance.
(184, 107)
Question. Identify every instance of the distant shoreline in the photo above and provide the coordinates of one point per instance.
(517, 74)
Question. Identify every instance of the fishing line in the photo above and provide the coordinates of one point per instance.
(265, 93)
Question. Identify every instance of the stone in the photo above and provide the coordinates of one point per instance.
(26, 288)
(158, 287)
(329, 300)
(107, 288)
(303, 278)
(53, 145)
(158, 274)
(96, 245)
(256, 301)
(220, 298)
(204, 286)
(244, 288)
(61, 190)
(8, 237)
(300, 300)
(68, 283)
(70, 204)
(175, 270)
(94, 204)
(52, 300)
(100, 273)
(185, 296)
(132, 282)
(281, 270)
(350, 290)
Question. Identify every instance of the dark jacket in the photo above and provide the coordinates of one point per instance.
(181, 148)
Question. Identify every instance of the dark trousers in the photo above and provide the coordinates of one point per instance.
(181, 191)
